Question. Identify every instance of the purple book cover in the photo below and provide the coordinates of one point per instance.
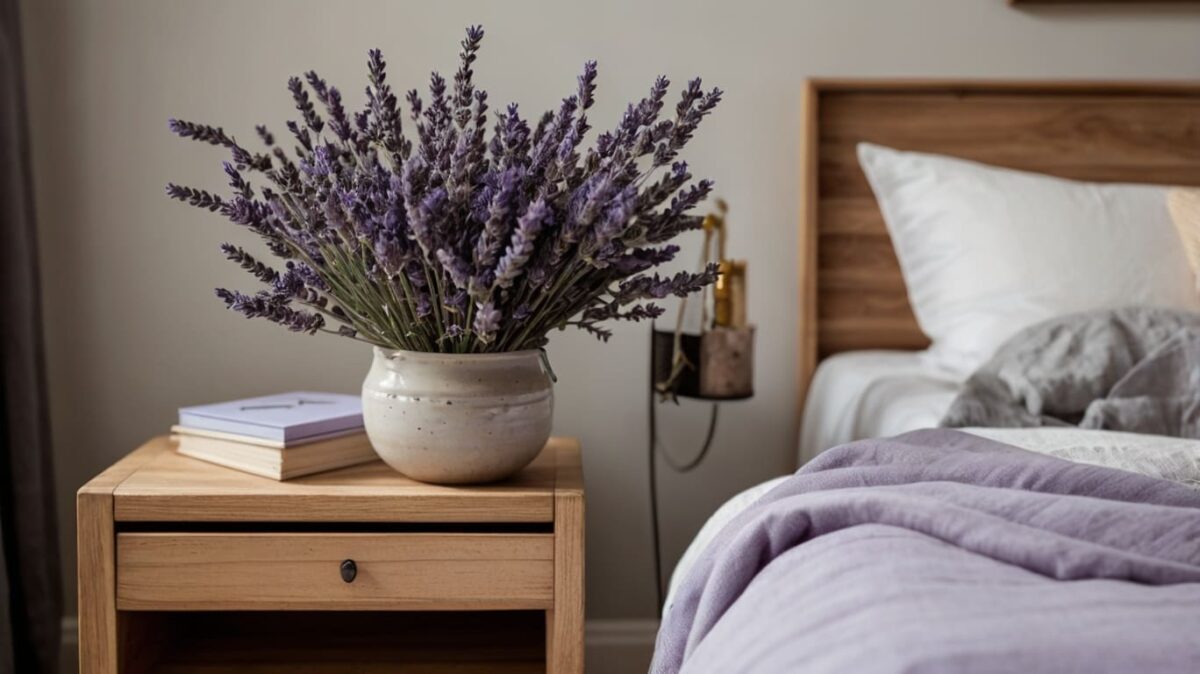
(286, 417)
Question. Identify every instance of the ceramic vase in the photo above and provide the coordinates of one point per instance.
(457, 418)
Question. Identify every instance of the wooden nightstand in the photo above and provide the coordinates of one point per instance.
(185, 566)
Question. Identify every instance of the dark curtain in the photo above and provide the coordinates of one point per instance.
(29, 579)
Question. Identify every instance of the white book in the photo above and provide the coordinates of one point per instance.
(269, 458)
(288, 417)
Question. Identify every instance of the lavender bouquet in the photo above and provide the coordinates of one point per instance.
(448, 240)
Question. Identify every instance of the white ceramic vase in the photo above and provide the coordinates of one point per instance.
(457, 418)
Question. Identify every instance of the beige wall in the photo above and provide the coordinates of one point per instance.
(134, 331)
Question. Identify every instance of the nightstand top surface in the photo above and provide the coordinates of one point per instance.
(155, 484)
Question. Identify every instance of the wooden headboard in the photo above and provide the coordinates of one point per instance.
(851, 293)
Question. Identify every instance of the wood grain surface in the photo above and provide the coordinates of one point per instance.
(175, 488)
(564, 623)
(272, 571)
(101, 627)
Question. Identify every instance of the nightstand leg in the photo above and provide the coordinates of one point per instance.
(564, 624)
(97, 583)
(102, 628)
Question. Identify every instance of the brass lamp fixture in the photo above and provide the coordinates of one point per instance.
(717, 363)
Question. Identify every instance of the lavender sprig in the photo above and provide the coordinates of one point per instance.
(272, 308)
(247, 262)
(198, 198)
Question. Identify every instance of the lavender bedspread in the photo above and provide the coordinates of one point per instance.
(939, 551)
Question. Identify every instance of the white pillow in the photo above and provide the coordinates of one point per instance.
(986, 251)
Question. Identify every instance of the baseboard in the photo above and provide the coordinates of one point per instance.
(622, 646)
(68, 652)
(613, 646)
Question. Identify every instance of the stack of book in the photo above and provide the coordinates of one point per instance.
(280, 436)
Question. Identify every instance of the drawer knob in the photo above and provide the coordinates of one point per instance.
(349, 570)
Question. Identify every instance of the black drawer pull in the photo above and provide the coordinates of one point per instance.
(349, 570)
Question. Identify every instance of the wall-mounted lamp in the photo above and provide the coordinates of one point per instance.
(717, 364)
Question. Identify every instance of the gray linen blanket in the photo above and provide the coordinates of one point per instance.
(939, 551)
(1135, 369)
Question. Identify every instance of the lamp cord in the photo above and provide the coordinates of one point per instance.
(678, 467)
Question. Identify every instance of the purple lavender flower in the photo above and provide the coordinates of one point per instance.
(612, 310)
(307, 110)
(638, 259)
(195, 197)
(495, 228)
(424, 217)
(694, 105)
(464, 88)
(264, 305)
(487, 321)
(457, 269)
(657, 287)
(612, 223)
(522, 313)
(455, 240)
(247, 262)
(310, 277)
(520, 247)
(331, 98)
(390, 252)
(213, 135)
(424, 305)
(510, 140)
(302, 135)
(238, 183)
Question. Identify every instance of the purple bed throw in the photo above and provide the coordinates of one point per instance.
(940, 551)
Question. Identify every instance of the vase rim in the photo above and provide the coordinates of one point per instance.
(492, 357)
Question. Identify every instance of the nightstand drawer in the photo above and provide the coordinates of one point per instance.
(311, 571)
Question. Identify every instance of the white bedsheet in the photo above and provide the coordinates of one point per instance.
(873, 394)
(1176, 459)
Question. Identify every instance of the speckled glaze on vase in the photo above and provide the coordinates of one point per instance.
(457, 418)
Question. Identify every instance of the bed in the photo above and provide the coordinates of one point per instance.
(862, 375)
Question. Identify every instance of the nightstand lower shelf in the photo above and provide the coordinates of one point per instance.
(336, 642)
